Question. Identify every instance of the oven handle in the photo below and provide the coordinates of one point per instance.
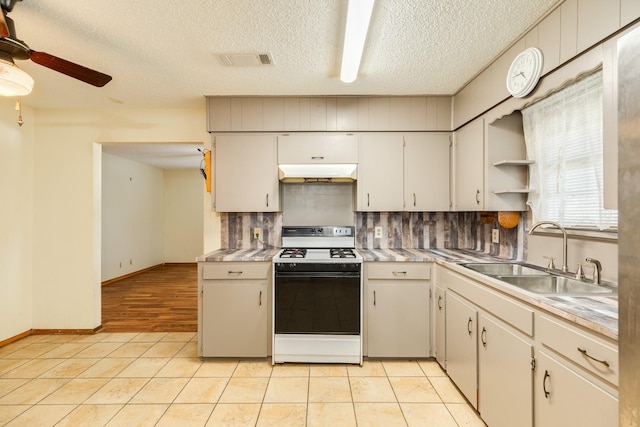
(310, 274)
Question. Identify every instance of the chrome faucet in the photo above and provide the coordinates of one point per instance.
(597, 270)
(564, 240)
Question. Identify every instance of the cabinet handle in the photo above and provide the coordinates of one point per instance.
(414, 199)
(544, 384)
(317, 157)
(469, 323)
(234, 272)
(260, 299)
(374, 297)
(368, 200)
(439, 305)
(483, 337)
(584, 352)
(267, 199)
(397, 273)
(477, 197)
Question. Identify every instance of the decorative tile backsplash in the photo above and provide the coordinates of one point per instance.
(430, 230)
(416, 230)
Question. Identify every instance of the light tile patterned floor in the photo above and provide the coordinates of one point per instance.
(156, 379)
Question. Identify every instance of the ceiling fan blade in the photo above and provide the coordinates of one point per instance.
(71, 69)
(4, 28)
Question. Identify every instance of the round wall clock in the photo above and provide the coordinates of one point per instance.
(524, 72)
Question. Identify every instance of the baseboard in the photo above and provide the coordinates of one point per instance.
(126, 276)
(49, 332)
(14, 338)
(65, 331)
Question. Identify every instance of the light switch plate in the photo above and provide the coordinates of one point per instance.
(495, 235)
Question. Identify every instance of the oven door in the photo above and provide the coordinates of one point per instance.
(317, 302)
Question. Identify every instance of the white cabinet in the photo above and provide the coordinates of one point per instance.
(246, 173)
(505, 396)
(566, 398)
(398, 309)
(380, 173)
(404, 172)
(462, 347)
(317, 148)
(577, 375)
(426, 172)
(468, 178)
(440, 322)
(233, 309)
(491, 166)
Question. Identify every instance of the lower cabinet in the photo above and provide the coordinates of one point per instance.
(505, 375)
(397, 309)
(233, 309)
(440, 320)
(567, 398)
(462, 346)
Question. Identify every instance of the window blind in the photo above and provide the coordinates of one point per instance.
(563, 134)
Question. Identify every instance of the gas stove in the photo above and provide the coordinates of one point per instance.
(318, 244)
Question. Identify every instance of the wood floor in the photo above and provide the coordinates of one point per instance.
(163, 299)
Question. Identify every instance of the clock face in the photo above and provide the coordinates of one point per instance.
(524, 72)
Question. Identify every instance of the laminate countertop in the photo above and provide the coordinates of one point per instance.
(596, 313)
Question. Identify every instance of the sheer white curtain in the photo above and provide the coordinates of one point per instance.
(563, 134)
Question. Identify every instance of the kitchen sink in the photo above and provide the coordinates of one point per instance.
(506, 269)
(557, 285)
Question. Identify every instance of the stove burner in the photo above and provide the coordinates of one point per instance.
(341, 253)
(293, 253)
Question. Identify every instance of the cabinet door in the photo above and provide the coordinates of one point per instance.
(505, 377)
(426, 172)
(565, 398)
(440, 320)
(380, 173)
(246, 173)
(317, 148)
(462, 348)
(468, 178)
(398, 320)
(234, 319)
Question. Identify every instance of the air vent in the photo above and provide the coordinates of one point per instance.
(245, 59)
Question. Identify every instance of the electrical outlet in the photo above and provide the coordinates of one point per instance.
(495, 235)
(378, 232)
(257, 233)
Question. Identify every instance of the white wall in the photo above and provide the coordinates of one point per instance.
(183, 215)
(16, 230)
(66, 207)
(132, 216)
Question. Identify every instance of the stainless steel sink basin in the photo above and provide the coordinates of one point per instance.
(506, 269)
(557, 285)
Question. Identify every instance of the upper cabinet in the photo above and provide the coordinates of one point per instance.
(404, 172)
(500, 180)
(246, 173)
(329, 114)
(380, 173)
(426, 171)
(317, 148)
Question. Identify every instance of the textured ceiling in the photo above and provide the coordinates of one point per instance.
(161, 53)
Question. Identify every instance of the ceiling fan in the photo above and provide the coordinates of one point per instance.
(12, 48)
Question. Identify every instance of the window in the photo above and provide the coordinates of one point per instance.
(563, 134)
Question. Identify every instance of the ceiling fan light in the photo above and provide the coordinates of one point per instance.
(14, 81)
(355, 34)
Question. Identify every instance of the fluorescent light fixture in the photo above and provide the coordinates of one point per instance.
(14, 81)
(355, 34)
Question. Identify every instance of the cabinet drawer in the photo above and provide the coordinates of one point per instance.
(588, 351)
(399, 270)
(236, 270)
(322, 148)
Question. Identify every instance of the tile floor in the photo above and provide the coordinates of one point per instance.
(156, 379)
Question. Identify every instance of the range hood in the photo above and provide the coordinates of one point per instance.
(317, 172)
